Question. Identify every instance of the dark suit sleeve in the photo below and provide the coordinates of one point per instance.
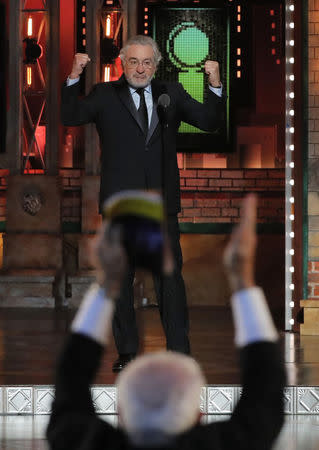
(78, 111)
(207, 116)
(73, 420)
(258, 416)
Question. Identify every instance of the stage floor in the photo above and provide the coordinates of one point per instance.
(28, 433)
(31, 339)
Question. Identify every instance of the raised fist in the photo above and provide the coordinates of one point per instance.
(212, 70)
(79, 62)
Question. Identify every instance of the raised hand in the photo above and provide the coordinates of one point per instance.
(109, 258)
(239, 255)
(79, 63)
(212, 70)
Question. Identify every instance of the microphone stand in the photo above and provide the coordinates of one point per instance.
(162, 115)
(164, 131)
(163, 103)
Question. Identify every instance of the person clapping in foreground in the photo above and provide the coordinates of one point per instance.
(158, 393)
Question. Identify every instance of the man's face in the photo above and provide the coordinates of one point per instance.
(139, 65)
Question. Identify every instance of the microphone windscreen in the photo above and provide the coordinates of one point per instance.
(164, 100)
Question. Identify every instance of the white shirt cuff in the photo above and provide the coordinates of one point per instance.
(94, 316)
(217, 91)
(71, 81)
(252, 318)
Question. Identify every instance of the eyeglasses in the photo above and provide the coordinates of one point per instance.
(132, 63)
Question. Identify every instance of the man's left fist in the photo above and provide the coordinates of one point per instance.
(212, 70)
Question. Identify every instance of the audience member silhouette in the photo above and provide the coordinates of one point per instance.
(158, 393)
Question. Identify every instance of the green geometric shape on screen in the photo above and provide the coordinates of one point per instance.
(192, 82)
(188, 47)
(191, 46)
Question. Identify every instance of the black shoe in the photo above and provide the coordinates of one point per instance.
(122, 361)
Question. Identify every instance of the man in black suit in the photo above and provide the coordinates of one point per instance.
(126, 117)
(158, 394)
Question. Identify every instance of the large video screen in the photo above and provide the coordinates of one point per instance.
(187, 37)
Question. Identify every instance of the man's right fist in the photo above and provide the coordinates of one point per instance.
(79, 62)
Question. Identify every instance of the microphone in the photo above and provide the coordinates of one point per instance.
(164, 101)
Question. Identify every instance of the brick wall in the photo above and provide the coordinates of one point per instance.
(71, 200)
(208, 195)
(215, 195)
(313, 154)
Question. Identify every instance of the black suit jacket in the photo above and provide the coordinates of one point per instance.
(254, 424)
(128, 160)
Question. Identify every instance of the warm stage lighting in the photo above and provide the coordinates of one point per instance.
(29, 28)
(108, 26)
(107, 73)
(29, 76)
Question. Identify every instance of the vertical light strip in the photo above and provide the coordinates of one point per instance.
(239, 49)
(29, 76)
(83, 10)
(290, 181)
(107, 73)
(146, 18)
(108, 26)
(30, 27)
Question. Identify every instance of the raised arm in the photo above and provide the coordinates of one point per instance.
(258, 416)
(73, 410)
(74, 110)
(209, 115)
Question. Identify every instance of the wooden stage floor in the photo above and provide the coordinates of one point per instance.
(31, 339)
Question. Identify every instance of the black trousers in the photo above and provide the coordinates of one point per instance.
(171, 298)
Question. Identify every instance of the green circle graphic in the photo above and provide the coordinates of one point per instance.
(187, 46)
(191, 46)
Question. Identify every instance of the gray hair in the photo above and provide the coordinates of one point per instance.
(140, 39)
(159, 393)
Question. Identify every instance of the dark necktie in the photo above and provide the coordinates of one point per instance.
(142, 110)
